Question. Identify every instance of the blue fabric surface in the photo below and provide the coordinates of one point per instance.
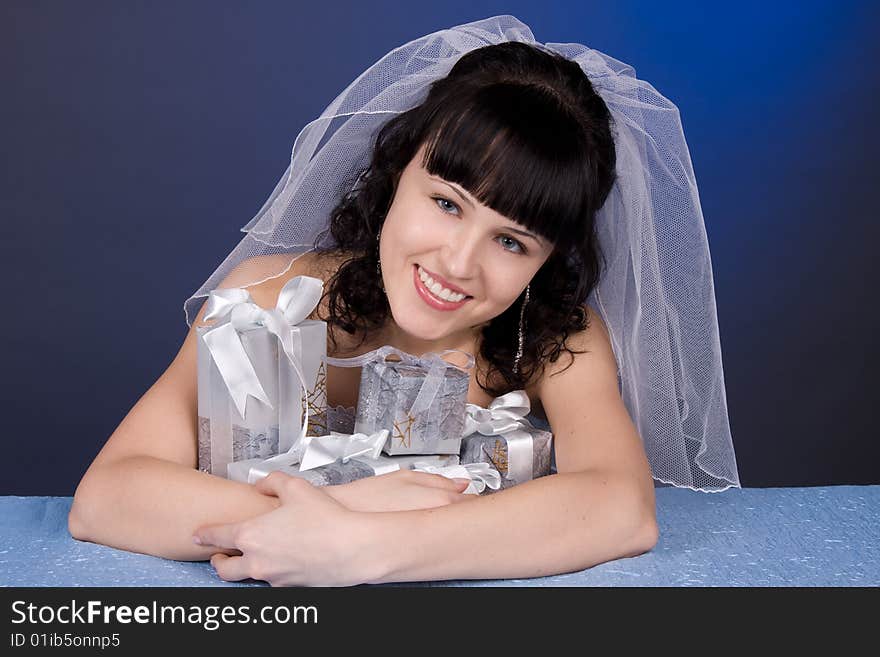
(752, 537)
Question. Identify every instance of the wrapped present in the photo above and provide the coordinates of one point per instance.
(502, 437)
(420, 400)
(357, 457)
(317, 451)
(262, 385)
(482, 475)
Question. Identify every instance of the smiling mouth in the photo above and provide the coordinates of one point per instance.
(434, 301)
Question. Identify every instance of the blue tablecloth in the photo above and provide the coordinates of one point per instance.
(752, 537)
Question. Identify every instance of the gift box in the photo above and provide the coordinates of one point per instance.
(336, 472)
(501, 436)
(420, 400)
(262, 384)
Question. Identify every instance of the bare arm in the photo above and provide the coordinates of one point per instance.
(150, 505)
(599, 507)
(143, 492)
(555, 524)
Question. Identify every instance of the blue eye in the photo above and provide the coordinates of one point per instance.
(514, 243)
(440, 200)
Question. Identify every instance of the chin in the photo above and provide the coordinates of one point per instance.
(420, 329)
(417, 321)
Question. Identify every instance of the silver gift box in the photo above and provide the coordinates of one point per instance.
(226, 436)
(528, 460)
(337, 473)
(386, 395)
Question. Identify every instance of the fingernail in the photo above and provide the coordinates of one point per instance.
(460, 481)
(197, 540)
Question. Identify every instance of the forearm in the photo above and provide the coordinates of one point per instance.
(555, 524)
(148, 505)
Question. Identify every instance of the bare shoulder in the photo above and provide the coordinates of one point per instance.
(591, 425)
(261, 272)
(595, 367)
(264, 276)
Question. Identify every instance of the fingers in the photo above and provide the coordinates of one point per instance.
(462, 483)
(280, 485)
(232, 569)
(270, 484)
(222, 536)
(446, 497)
(438, 481)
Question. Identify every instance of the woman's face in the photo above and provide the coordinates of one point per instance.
(449, 263)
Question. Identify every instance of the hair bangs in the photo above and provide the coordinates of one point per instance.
(515, 149)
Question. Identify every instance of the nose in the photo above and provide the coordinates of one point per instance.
(461, 256)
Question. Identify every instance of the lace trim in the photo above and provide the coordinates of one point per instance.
(341, 418)
(337, 409)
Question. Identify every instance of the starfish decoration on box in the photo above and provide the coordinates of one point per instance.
(317, 401)
(403, 431)
(498, 457)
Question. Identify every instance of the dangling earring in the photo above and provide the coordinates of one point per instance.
(379, 261)
(519, 350)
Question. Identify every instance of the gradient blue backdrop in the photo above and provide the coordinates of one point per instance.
(138, 137)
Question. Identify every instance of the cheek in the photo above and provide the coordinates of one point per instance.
(504, 280)
(505, 291)
(410, 233)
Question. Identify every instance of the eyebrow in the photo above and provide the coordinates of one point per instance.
(471, 203)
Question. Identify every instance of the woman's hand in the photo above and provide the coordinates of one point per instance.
(403, 490)
(309, 540)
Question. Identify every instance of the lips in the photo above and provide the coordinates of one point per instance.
(435, 302)
(442, 281)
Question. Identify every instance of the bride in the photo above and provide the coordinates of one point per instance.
(474, 223)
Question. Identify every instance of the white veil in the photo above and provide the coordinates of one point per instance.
(656, 294)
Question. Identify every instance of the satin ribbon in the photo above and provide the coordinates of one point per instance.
(322, 450)
(505, 416)
(256, 469)
(296, 301)
(430, 361)
(481, 474)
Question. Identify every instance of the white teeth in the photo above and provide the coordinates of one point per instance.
(450, 296)
(438, 290)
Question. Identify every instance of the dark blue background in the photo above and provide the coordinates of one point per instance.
(137, 138)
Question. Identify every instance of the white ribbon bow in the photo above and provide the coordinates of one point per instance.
(506, 417)
(480, 474)
(296, 301)
(321, 450)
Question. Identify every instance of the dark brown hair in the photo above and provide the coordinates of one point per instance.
(522, 129)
